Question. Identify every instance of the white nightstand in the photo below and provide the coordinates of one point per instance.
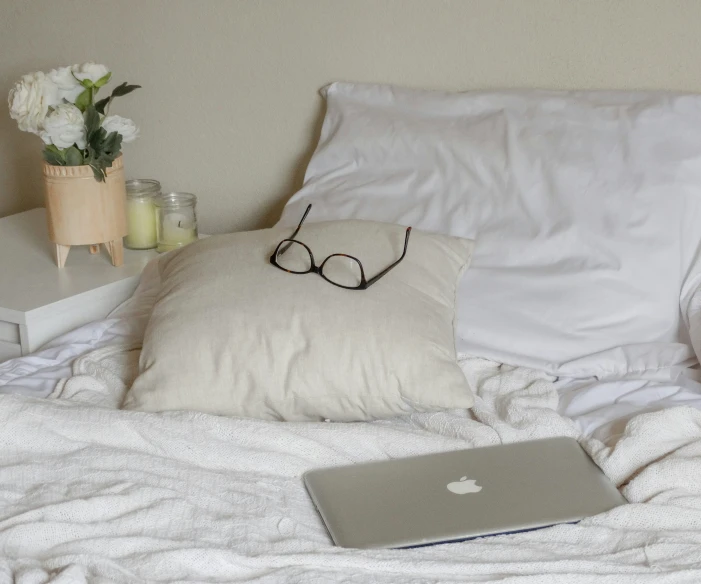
(39, 301)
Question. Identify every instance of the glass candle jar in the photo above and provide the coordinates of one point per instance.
(141, 213)
(176, 223)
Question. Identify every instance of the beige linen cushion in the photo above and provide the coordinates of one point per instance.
(231, 334)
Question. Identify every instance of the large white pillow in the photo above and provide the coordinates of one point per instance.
(585, 208)
(231, 334)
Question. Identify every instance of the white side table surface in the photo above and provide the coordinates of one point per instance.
(38, 300)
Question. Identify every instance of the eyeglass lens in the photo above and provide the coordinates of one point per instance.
(343, 271)
(294, 257)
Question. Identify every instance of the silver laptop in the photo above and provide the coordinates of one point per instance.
(439, 498)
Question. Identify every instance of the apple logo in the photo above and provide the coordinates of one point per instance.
(463, 486)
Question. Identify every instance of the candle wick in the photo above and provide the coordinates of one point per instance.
(180, 223)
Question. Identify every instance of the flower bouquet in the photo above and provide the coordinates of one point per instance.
(83, 170)
(60, 107)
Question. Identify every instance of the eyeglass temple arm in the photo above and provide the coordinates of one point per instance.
(374, 279)
(284, 248)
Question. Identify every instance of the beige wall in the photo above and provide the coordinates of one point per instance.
(230, 107)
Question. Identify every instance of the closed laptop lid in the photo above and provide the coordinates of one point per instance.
(461, 494)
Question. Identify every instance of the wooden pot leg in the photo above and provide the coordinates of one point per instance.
(62, 254)
(95, 249)
(116, 250)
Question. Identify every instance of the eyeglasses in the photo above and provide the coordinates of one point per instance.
(339, 269)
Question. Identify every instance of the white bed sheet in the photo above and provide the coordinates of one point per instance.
(600, 409)
(37, 374)
(91, 493)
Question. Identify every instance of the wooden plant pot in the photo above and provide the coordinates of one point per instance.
(82, 211)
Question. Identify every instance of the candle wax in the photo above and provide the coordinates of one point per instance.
(141, 222)
(177, 230)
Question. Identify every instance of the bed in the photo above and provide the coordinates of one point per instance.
(95, 493)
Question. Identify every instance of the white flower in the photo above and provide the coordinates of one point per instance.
(124, 126)
(64, 127)
(90, 70)
(69, 88)
(29, 100)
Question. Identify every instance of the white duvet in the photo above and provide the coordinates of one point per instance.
(90, 493)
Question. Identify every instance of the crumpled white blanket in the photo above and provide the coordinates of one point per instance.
(89, 493)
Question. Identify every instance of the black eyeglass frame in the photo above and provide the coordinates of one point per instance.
(364, 283)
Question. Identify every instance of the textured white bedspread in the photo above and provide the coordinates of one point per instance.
(89, 493)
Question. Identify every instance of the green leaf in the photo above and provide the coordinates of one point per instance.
(124, 89)
(102, 104)
(98, 172)
(92, 122)
(112, 143)
(53, 157)
(95, 142)
(86, 83)
(101, 148)
(74, 157)
(56, 154)
(102, 80)
(83, 100)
